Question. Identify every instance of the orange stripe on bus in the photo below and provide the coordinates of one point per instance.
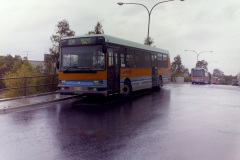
(100, 75)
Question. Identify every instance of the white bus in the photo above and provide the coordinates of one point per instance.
(238, 78)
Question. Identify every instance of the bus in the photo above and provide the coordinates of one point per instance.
(200, 76)
(234, 82)
(238, 78)
(106, 65)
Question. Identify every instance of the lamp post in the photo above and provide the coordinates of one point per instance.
(149, 12)
(197, 53)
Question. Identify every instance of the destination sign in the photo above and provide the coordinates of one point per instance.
(83, 41)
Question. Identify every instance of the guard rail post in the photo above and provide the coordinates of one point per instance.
(25, 86)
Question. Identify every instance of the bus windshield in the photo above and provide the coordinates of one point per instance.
(197, 72)
(82, 58)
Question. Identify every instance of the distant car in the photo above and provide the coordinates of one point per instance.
(235, 82)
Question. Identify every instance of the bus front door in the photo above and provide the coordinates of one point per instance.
(113, 81)
(154, 70)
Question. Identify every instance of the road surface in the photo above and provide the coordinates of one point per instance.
(181, 122)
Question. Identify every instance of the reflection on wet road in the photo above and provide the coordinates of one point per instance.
(182, 122)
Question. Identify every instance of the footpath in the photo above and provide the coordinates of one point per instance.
(23, 103)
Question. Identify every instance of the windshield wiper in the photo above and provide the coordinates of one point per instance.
(84, 68)
(71, 67)
(79, 68)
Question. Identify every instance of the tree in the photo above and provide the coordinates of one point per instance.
(24, 69)
(186, 70)
(6, 63)
(97, 30)
(218, 73)
(228, 79)
(3, 67)
(62, 30)
(176, 66)
(148, 41)
(39, 69)
(202, 64)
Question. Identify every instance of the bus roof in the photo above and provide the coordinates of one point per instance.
(115, 40)
(198, 69)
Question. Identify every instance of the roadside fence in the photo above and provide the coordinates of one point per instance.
(28, 85)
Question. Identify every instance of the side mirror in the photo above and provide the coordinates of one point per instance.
(104, 49)
(57, 65)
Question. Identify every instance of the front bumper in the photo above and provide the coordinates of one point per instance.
(80, 90)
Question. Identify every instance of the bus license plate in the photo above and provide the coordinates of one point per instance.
(77, 88)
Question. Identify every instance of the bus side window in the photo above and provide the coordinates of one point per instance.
(128, 60)
(160, 59)
(165, 61)
(154, 59)
(129, 57)
(147, 62)
(122, 60)
(137, 58)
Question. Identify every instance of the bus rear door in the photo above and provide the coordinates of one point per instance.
(154, 70)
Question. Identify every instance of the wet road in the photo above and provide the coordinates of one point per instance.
(181, 122)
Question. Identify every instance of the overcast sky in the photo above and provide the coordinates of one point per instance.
(200, 25)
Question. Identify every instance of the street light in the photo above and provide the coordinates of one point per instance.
(149, 12)
(197, 53)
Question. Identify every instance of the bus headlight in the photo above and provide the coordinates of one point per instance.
(100, 82)
(62, 81)
(95, 82)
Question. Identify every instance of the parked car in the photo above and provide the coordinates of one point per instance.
(235, 82)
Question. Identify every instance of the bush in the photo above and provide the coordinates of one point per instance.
(178, 75)
(26, 69)
(187, 79)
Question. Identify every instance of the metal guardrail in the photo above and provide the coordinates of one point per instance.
(47, 83)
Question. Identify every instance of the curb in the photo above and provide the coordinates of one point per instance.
(33, 106)
(35, 95)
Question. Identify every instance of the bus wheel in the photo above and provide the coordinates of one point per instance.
(127, 89)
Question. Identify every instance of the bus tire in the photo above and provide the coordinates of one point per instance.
(127, 89)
